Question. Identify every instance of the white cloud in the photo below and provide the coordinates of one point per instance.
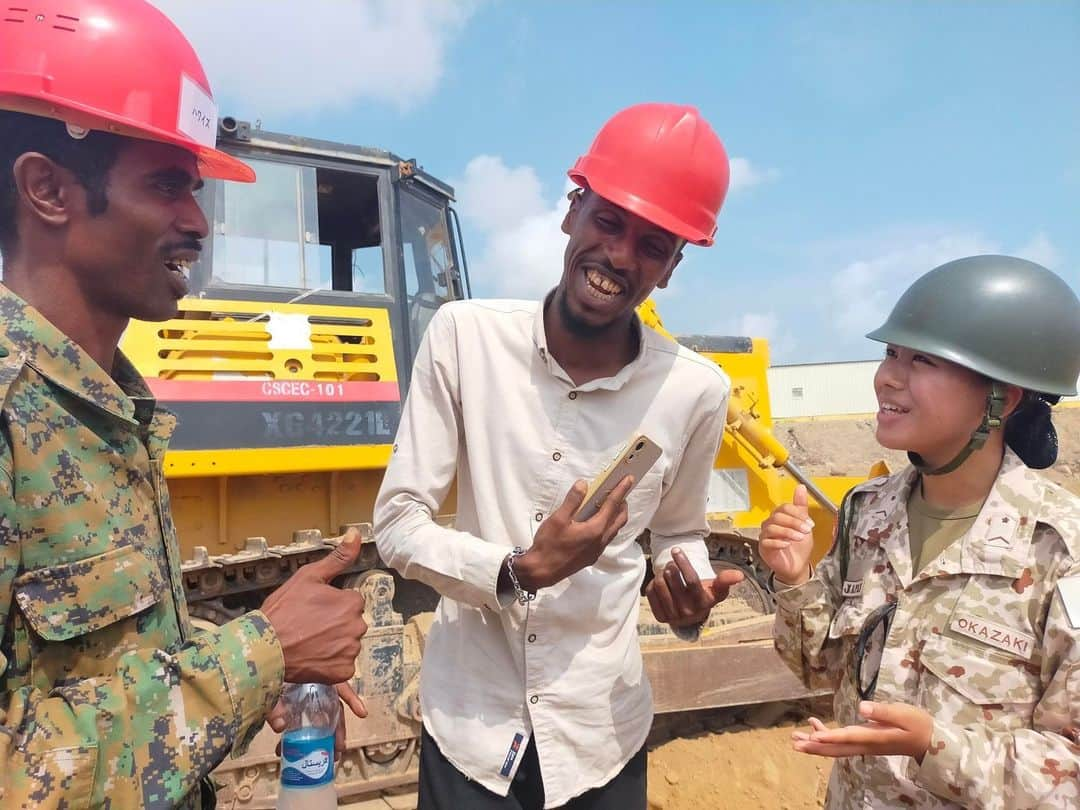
(746, 175)
(759, 324)
(521, 250)
(274, 58)
(866, 287)
(1041, 251)
(816, 301)
(767, 324)
(494, 196)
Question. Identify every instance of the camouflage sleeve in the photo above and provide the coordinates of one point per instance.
(801, 629)
(9, 557)
(146, 735)
(1026, 767)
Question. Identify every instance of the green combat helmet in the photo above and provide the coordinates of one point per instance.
(1008, 319)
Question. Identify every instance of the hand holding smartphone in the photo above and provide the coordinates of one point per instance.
(636, 458)
(570, 540)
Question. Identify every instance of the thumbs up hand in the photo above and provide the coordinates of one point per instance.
(785, 542)
(319, 626)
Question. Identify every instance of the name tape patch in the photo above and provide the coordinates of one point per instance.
(852, 588)
(512, 754)
(1004, 638)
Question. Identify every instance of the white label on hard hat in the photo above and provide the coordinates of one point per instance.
(197, 116)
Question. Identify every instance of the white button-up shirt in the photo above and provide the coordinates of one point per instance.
(489, 405)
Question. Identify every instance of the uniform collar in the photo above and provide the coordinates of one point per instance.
(997, 543)
(27, 333)
(613, 383)
(884, 523)
(1000, 540)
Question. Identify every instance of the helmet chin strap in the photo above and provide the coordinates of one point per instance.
(995, 408)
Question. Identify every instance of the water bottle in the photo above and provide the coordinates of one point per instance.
(312, 711)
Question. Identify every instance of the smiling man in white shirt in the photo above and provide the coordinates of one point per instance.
(532, 690)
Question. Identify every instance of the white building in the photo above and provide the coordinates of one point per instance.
(825, 389)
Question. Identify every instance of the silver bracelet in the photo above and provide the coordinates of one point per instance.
(523, 596)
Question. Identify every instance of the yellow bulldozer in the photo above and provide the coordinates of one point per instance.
(288, 366)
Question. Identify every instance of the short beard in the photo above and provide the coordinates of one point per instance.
(575, 325)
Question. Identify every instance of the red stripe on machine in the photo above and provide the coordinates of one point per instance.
(272, 391)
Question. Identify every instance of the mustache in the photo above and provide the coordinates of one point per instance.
(188, 244)
(604, 264)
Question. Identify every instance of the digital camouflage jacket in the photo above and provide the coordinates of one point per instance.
(107, 696)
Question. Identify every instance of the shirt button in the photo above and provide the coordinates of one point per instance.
(557, 456)
(532, 637)
(534, 699)
(572, 395)
(539, 517)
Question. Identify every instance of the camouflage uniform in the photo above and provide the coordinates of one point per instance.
(980, 639)
(107, 697)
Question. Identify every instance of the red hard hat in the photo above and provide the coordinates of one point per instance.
(662, 162)
(119, 66)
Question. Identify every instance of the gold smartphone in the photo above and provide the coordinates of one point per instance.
(635, 458)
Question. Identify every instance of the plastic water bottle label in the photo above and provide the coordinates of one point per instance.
(307, 758)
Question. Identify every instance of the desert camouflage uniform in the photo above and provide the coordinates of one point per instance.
(107, 697)
(980, 639)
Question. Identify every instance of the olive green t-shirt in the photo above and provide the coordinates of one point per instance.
(932, 530)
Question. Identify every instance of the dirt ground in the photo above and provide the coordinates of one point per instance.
(846, 446)
(740, 770)
(737, 759)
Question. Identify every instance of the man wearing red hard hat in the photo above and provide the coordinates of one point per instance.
(107, 695)
(532, 692)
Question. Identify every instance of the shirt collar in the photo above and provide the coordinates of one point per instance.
(613, 383)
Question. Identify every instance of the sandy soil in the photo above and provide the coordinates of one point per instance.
(846, 446)
(741, 761)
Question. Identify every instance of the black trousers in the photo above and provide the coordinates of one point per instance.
(444, 787)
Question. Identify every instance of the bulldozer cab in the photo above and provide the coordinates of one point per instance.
(334, 225)
(307, 307)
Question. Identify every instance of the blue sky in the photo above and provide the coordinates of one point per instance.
(872, 141)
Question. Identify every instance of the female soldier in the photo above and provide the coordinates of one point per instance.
(947, 614)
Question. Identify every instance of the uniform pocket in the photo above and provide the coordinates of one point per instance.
(66, 601)
(966, 684)
(60, 778)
